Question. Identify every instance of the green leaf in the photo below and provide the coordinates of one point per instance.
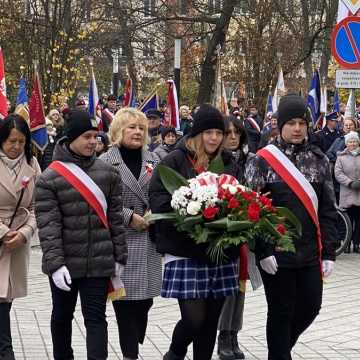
(217, 165)
(164, 216)
(270, 228)
(239, 225)
(221, 224)
(289, 215)
(171, 179)
(189, 222)
(200, 234)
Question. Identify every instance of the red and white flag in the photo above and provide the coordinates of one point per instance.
(172, 107)
(37, 115)
(3, 99)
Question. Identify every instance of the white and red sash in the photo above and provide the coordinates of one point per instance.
(83, 183)
(253, 124)
(296, 182)
(109, 115)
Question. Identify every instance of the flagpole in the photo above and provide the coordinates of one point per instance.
(150, 94)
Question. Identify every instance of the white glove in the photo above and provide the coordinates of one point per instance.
(327, 267)
(269, 265)
(62, 279)
(119, 269)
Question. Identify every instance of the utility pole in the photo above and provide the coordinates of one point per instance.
(177, 66)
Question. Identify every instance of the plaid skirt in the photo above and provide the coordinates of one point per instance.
(186, 279)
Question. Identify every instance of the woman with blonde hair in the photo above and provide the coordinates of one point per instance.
(142, 273)
(199, 285)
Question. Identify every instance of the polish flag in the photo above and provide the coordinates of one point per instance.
(3, 99)
(172, 107)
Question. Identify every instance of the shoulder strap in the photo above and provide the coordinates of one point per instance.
(83, 183)
(253, 124)
(296, 182)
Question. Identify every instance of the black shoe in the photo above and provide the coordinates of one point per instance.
(170, 355)
(225, 350)
(356, 248)
(235, 346)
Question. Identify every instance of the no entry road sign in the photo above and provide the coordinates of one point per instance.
(345, 42)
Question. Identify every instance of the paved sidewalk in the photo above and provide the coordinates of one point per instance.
(335, 334)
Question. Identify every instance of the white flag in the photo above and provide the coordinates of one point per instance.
(279, 91)
(323, 101)
(350, 106)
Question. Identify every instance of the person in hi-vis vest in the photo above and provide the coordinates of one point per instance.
(297, 175)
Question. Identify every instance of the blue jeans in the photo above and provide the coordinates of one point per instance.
(93, 295)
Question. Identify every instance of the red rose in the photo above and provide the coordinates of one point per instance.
(233, 203)
(281, 229)
(210, 212)
(221, 194)
(265, 201)
(254, 212)
(246, 196)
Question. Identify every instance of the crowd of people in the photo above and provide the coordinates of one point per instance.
(89, 195)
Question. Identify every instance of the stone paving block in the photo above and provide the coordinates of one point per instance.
(334, 335)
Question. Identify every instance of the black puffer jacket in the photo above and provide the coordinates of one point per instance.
(314, 165)
(168, 239)
(70, 232)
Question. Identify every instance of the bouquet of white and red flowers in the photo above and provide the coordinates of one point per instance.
(217, 210)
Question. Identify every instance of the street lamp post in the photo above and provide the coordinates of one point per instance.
(115, 83)
(177, 66)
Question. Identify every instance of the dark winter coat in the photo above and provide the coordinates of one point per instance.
(70, 232)
(168, 239)
(252, 134)
(327, 137)
(337, 146)
(314, 165)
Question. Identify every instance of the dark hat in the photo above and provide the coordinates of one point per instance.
(290, 107)
(166, 130)
(111, 97)
(153, 113)
(79, 122)
(103, 137)
(207, 117)
(332, 116)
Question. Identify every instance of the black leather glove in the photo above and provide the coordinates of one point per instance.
(355, 185)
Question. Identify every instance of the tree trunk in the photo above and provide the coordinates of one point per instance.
(208, 68)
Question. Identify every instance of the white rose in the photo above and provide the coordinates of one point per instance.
(232, 189)
(193, 208)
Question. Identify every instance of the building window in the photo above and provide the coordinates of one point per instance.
(148, 50)
(182, 7)
(215, 6)
(149, 7)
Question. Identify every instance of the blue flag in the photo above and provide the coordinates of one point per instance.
(269, 107)
(336, 105)
(22, 98)
(314, 97)
(151, 102)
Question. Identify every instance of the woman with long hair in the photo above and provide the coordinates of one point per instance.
(19, 171)
(199, 285)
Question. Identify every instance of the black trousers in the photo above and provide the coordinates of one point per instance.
(198, 325)
(294, 299)
(93, 296)
(354, 214)
(132, 319)
(6, 349)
